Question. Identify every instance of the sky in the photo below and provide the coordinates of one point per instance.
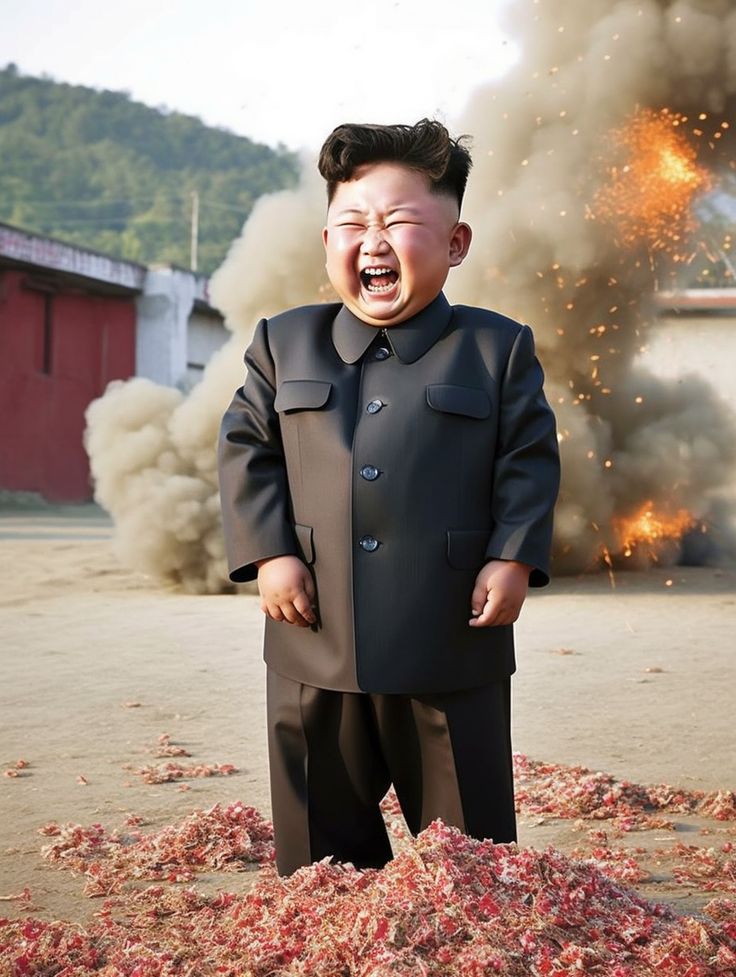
(278, 71)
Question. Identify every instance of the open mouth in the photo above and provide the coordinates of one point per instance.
(378, 279)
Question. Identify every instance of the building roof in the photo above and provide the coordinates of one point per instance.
(101, 271)
(26, 248)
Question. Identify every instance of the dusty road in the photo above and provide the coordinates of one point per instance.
(96, 663)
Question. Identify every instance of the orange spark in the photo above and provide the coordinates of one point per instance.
(651, 177)
(648, 528)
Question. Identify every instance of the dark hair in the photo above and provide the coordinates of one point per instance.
(426, 147)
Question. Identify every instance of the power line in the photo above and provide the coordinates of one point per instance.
(51, 222)
(238, 208)
(207, 203)
(84, 203)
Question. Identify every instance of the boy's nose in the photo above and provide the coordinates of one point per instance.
(374, 241)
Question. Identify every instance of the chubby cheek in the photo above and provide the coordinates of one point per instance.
(416, 250)
(341, 273)
(341, 255)
(340, 259)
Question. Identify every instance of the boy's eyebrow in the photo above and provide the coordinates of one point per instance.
(357, 210)
(406, 207)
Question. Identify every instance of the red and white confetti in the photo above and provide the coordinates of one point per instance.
(166, 773)
(226, 838)
(576, 792)
(446, 906)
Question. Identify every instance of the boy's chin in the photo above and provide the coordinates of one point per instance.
(378, 313)
(383, 309)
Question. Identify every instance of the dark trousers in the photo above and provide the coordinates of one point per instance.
(333, 756)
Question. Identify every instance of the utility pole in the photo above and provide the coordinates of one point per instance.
(195, 230)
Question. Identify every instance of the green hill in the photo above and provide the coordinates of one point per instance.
(98, 169)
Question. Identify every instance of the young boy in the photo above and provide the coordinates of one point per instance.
(388, 472)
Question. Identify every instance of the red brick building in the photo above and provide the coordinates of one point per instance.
(69, 325)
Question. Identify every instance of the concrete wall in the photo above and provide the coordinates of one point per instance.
(174, 339)
(206, 333)
(163, 315)
(695, 342)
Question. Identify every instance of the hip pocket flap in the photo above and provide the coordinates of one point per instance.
(304, 536)
(302, 395)
(466, 548)
(452, 399)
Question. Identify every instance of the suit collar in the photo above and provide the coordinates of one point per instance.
(409, 340)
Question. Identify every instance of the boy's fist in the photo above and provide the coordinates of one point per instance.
(287, 590)
(499, 592)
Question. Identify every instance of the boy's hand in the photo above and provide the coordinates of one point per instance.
(499, 592)
(287, 590)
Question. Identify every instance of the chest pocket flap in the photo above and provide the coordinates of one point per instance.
(302, 395)
(452, 399)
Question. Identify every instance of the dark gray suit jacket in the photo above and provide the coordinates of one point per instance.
(395, 465)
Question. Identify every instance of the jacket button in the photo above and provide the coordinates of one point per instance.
(374, 406)
(381, 353)
(369, 472)
(368, 543)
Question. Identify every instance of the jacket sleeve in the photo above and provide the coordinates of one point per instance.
(527, 466)
(254, 491)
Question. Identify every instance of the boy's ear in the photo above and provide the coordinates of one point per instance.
(460, 243)
(324, 237)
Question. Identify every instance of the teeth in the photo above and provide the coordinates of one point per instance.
(380, 288)
(376, 271)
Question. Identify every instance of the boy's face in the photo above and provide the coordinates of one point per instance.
(391, 242)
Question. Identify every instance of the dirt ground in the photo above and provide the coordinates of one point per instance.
(96, 662)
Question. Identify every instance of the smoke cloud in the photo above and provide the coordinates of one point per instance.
(152, 450)
(541, 140)
(541, 252)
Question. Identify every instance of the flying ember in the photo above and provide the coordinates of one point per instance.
(651, 178)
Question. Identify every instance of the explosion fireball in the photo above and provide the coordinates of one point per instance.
(652, 177)
(647, 528)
